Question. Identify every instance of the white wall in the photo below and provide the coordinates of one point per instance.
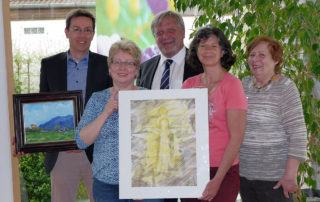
(6, 188)
(38, 46)
(53, 39)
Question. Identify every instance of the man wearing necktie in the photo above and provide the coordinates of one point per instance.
(169, 69)
(169, 31)
(166, 75)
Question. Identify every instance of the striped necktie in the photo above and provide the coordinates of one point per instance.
(165, 75)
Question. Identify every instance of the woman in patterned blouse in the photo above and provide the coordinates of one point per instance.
(99, 122)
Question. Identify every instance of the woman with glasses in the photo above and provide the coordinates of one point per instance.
(99, 122)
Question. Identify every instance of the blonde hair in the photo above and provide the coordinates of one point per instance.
(127, 46)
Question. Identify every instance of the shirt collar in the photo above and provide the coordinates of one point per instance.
(69, 58)
(179, 58)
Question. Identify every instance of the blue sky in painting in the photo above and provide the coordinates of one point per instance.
(39, 113)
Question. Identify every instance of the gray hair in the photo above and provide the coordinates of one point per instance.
(160, 16)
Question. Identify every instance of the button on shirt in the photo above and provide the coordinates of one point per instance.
(77, 74)
(176, 71)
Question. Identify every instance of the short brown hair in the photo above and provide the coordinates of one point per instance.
(127, 46)
(80, 13)
(275, 49)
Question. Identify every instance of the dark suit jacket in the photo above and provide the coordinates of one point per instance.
(149, 67)
(53, 78)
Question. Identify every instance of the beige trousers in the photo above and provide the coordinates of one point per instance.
(66, 175)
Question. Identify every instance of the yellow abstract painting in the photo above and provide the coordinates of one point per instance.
(163, 143)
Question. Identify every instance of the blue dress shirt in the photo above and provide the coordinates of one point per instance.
(77, 74)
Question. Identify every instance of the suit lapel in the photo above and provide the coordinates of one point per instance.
(153, 68)
(90, 74)
(63, 71)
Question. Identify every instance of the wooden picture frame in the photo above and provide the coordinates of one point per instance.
(45, 122)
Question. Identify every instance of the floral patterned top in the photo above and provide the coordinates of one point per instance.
(105, 165)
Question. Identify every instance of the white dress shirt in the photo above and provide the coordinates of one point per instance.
(176, 71)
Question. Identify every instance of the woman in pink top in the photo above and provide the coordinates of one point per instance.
(210, 52)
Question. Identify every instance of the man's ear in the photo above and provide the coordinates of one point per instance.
(66, 31)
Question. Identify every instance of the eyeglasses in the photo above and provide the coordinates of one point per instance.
(78, 30)
(118, 63)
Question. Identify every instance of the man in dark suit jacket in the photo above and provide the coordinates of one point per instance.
(76, 69)
(169, 31)
(54, 79)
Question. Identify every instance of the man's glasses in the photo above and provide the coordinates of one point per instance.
(78, 30)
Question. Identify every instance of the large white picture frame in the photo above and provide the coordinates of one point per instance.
(163, 143)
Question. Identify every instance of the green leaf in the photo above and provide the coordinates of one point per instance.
(223, 26)
(184, 7)
(315, 69)
(315, 46)
(231, 3)
(177, 5)
(236, 44)
(277, 34)
(261, 3)
(249, 18)
(256, 31)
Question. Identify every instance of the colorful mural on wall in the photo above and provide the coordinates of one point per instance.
(130, 19)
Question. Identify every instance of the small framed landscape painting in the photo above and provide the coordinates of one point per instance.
(163, 143)
(45, 122)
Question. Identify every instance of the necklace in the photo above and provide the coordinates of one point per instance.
(274, 77)
(210, 85)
